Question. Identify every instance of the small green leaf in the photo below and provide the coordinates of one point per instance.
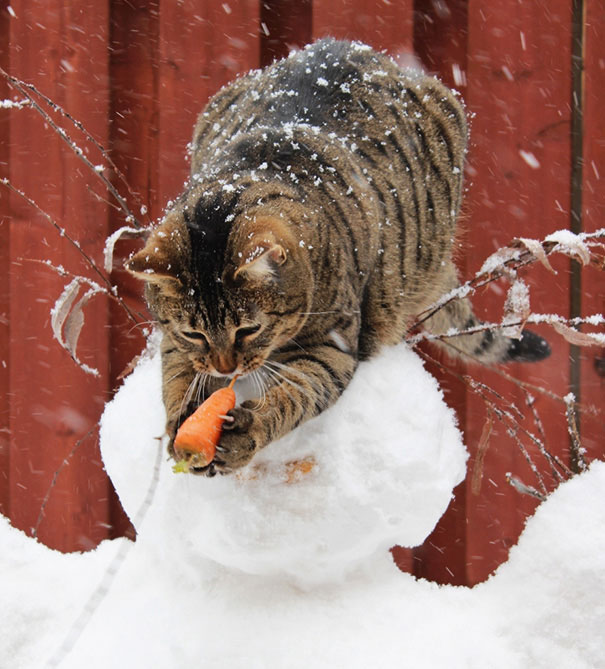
(181, 467)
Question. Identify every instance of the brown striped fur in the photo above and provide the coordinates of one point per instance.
(319, 220)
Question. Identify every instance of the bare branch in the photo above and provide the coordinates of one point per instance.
(482, 447)
(104, 586)
(111, 289)
(524, 489)
(80, 126)
(577, 451)
(66, 460)
(24, 89)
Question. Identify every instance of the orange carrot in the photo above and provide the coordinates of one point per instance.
(198, 436)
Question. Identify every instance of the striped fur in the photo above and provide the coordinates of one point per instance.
(319, 220)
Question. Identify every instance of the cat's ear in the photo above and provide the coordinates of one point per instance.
(261, 248)
(261, 261)
(160, 260)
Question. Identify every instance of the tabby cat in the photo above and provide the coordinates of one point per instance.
(318, 221)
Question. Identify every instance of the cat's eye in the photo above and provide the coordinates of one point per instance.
(242, 333)
(197, 337)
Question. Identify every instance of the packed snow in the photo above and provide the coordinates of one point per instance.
(286, 567)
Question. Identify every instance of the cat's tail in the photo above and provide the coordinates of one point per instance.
(487, 345)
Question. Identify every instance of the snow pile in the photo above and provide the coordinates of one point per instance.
(384, 460)
(41, 591)
(184, 600)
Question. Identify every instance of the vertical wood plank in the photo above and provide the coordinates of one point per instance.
(285, 25)
(133, 140)
(519, 164)
(440, 39)
(4, 263)
(202, 46)
(440, 42)
(134, 143)
(63, 50)
(381, 25)
(592, 421)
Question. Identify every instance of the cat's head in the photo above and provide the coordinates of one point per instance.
(227, 292)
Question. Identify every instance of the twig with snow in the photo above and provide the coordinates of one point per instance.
(91, 138)
(520, 253)
(26, 90)
(563, 326)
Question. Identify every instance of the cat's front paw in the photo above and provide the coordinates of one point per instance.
(239, 441)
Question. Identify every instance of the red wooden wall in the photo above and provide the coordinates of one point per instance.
(137, 73)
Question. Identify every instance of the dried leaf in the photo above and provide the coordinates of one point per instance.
(578, 338)
(523, 488)
(570, 244)
(110, 242)
(498, 260)
(73, 327)
(537, 250)
(62, 307)
(67, 319)
(516, 309)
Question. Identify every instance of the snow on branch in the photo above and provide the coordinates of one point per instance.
(583, 247)
(14, 104)
(563, 326)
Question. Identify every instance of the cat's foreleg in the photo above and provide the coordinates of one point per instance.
(302, 385)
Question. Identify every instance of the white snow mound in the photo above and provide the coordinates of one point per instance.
(387, 456)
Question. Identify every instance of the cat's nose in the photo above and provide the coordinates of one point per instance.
(224, 364)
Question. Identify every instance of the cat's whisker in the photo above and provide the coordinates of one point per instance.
(179, 373)
(263, 390)
(274, 368)
(263, 383)
(301, 389)
(275, 379)
(297, 344)
(199, 398)
(189, 393)
(288, 368)
(204, 384)
(259, 389)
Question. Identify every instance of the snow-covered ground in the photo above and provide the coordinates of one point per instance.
(279, 569)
